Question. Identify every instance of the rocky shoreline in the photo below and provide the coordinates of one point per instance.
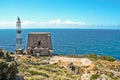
(85, 67)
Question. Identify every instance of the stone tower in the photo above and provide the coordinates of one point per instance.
(39, 42)
(19, 45)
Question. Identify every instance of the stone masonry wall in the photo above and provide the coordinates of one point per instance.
(39, 40)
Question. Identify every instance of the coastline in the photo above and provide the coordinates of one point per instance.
(68, 41)
(63, 67)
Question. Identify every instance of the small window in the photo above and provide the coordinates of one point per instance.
(39, 43)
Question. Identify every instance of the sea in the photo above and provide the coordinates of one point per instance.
(70, 41)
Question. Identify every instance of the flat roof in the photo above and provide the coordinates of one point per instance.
(39, 33)
(19, 49)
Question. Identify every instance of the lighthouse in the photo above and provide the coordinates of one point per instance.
(19, 45)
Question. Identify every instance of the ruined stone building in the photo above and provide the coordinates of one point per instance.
(39, 43)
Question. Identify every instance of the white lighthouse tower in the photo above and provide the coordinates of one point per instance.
(19, 45)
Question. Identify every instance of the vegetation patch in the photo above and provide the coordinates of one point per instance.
(8, 66)
(94, 76)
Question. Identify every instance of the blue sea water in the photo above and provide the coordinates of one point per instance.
(70, 41)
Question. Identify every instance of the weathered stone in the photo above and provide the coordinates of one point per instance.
(39, 42)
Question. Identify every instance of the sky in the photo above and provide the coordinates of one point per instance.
(85, 14)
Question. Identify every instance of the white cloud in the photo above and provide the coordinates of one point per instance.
(57, 21)
(75, 23)
(28, 22)
(65, 22)
(51, 23)
(6, 23)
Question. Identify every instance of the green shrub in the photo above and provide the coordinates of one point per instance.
(8, 66)
(72, 67)
(43, 74)
(93, 56)
(33, 71)
(110, 74)
(94, 76)
(11, 53)
(108, 58)
(36, 77)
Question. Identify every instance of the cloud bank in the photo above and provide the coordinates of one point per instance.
(57, 23)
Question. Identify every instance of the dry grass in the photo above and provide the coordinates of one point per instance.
(60, 68)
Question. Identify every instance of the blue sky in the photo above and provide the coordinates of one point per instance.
(61, 13)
